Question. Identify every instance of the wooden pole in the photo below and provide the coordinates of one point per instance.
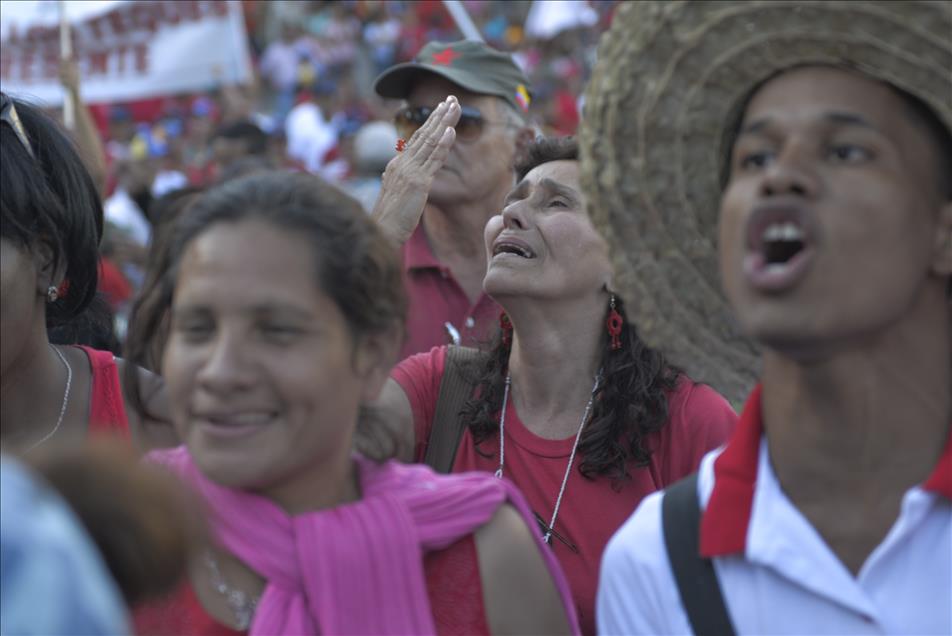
(66, 53)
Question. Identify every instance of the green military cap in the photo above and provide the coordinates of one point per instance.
(471, 64)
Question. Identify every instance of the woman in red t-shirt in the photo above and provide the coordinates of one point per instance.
(52, 223)
(569, 403)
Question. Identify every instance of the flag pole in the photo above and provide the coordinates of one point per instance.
(465, 23)
(66, 53)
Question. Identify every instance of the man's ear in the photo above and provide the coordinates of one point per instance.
(942, 254)
(375, 356)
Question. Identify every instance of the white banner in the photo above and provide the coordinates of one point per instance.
(126, 49)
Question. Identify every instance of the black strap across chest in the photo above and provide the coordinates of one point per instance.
(697, 581)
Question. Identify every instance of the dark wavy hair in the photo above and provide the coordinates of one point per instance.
(51, 200)
(164, 212)
(632, 400)
(357, 266)
(545, 150)
(630, 404)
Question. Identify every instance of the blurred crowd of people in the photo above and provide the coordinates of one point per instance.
(311, 106)
(399, 355)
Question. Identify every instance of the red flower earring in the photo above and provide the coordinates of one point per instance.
(614, 324)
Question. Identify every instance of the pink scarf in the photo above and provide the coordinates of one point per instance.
(356, 568)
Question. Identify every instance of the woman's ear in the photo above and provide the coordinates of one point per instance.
(375, 356)
(942, 254)
(49, 273)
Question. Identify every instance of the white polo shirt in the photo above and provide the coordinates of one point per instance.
(776, 573)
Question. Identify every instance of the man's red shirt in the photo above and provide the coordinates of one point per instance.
(436, 299)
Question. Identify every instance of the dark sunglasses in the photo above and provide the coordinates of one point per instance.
(8, 114)
(469, 128)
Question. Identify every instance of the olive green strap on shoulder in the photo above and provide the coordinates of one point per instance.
(456, 387)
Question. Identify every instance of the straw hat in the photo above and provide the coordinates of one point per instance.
(670, 76)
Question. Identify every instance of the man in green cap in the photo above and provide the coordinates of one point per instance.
(464, 121)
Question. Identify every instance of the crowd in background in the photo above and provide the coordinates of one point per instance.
(345, 472)
(311, 106)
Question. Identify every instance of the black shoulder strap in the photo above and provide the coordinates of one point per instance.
(455, 388)
(695, 575)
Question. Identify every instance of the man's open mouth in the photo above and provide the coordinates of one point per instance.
(779, 247)
(781, 242)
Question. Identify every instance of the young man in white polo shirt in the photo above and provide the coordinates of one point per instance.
(829, 510)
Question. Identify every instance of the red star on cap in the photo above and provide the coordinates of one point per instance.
(445, 57)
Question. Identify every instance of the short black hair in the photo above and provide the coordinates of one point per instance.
(50, 199)
(255, 139)
(545, 149)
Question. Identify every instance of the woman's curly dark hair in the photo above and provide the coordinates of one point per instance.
(630, 404)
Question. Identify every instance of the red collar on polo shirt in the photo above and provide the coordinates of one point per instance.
(727, 516)
(417, 253)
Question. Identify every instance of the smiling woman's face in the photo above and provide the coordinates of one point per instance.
(260, 363)
(828, 224)
(544, 245)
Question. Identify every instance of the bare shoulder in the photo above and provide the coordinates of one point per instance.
(153, 427)
(520, 595)
(394, 411)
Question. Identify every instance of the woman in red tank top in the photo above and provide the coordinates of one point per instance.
(52, 223)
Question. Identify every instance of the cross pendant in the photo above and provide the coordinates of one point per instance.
(548, 533)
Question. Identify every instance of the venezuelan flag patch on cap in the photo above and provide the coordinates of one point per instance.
(522, 97)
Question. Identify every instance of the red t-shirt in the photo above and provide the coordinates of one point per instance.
(436, 299)
(700, 420)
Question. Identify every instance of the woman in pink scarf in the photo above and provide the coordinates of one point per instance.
(283, 312)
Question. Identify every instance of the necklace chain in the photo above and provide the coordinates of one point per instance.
(502, 427)
(69, 383)
(242, 605)
(547, 537)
